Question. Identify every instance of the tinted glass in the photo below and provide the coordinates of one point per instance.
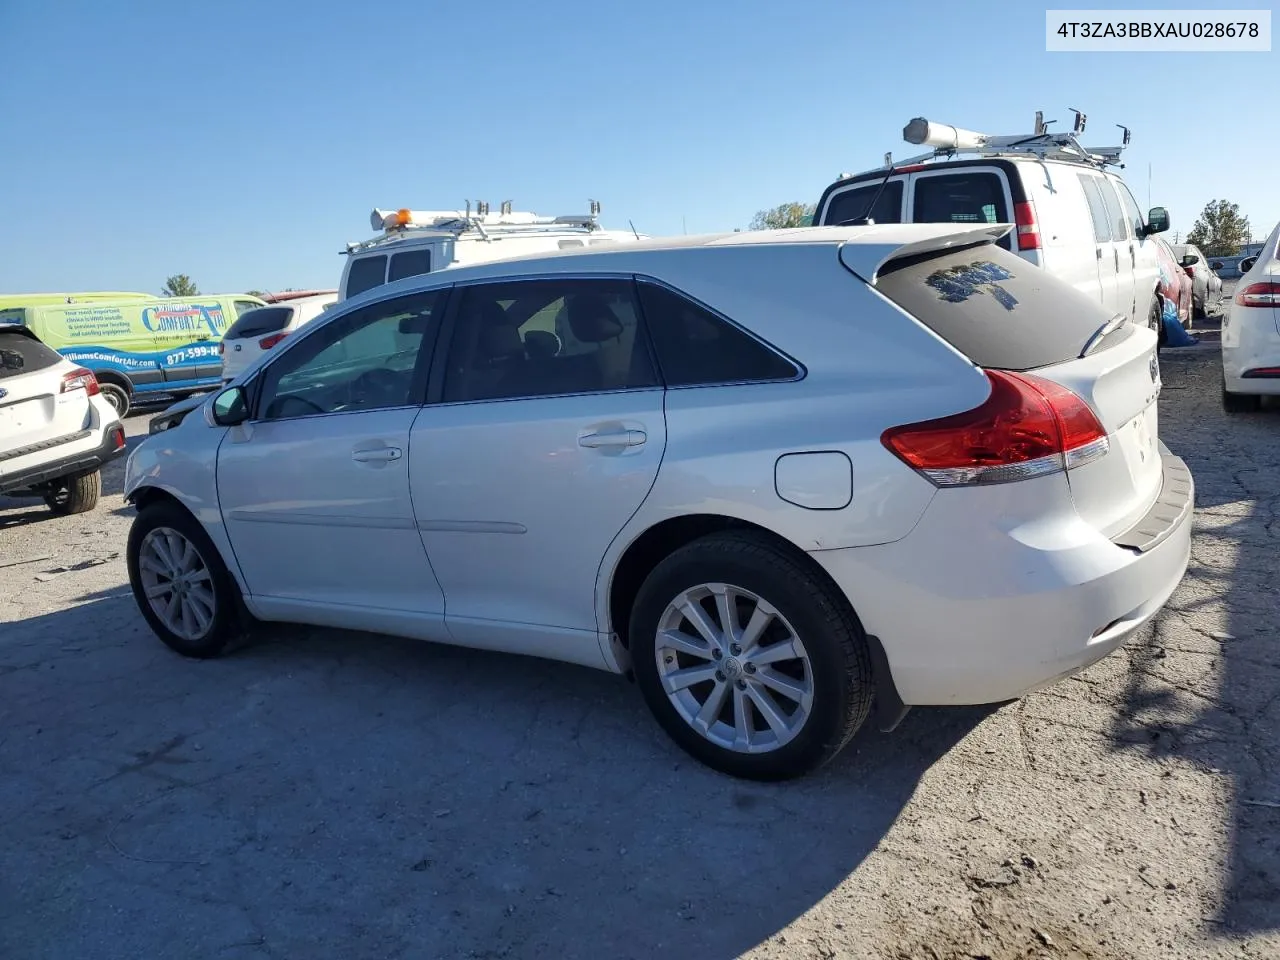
(852, 204)
(364, 361)
(546, 338)
(257, 323)
(695, 346)
(411, 263)
(994, 307)
(960, 198)
(1097, 209)
(244, 306)
(20, 354)
(1116, 216)
(365, 274)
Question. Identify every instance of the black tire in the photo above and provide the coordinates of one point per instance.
(1240, 402)
(228, 623)
(78, 494)
(117, 396)
(1155, 320)
(840, 663)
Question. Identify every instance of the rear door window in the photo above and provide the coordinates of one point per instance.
(852, 204)
(1116, 216)
(411, 263)
(962, 197)
(260, 322)
(365, 274)
(1097, 209)
(994, 307)
(19, 354)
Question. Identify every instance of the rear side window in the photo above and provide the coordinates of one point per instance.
(365, 274)
(20, 354)
(852, 204)
(1097, 209)
(411, 263)
(994, 307)
(1115, 212)
(260, 322)
(695, 347)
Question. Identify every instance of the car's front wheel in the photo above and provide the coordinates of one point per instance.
(180, 583)
(750, 661)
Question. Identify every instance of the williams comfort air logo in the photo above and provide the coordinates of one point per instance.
(184, 318)
(957, 284)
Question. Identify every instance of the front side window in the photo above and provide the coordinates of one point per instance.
(696, 348)
(366, 360)
(366, 273)
(1131, 209)
(852, 204)
(541, 338)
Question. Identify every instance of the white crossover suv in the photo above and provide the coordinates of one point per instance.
(773, 477)
(56, 429)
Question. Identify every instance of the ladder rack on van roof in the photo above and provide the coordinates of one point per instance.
(400, 224)
(948, 141)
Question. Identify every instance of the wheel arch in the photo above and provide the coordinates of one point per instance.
(663, 538)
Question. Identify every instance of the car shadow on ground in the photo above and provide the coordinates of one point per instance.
(322, 793)
(1204, 686)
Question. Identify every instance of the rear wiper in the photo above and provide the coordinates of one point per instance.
(1101, 334)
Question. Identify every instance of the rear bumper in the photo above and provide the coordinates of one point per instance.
(83, 461)
(994, 595)
(1250, 341)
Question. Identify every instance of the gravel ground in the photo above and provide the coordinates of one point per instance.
(325, 794)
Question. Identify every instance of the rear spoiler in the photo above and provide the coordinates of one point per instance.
(868, 260)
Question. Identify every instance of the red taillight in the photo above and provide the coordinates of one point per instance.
(1027, 427)
(80, 379)
(1024, 215)
(222, 348)
(266, 343)
(1259, 295)
(117, 437)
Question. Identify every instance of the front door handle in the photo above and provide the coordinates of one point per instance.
(378, 455)
(613, 438)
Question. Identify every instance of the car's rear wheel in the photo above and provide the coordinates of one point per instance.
(180, 583)
(117, 396)
(750, 662)
(1240, 402)
(78, 494)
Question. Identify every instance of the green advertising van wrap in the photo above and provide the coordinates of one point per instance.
(137, 347)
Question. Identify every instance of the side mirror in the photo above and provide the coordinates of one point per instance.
(1247, 264)
(1157, 220)
(229, 408)
(1216, 265)
(1190, 260)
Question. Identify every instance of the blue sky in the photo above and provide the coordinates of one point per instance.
(244, 143)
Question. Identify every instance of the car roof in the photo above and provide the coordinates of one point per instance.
(862, 248)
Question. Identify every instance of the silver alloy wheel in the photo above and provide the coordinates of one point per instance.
(177, 583)
(734, 668)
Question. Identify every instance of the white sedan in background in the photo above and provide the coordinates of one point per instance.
(772, 476)
(1251, 332)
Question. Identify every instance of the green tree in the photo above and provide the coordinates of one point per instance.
(179, 285)
(1220, 231)
(784, 215)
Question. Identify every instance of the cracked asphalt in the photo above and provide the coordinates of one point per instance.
(323, 794)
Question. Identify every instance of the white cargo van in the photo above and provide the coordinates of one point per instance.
(1072, 214)
(413, 242)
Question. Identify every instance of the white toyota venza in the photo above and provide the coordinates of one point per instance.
(775, 477)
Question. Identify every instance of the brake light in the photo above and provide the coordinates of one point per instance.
(117, 437)
(1024, 215)
(266, 343)
(222, 348)
(1259, 295)
(80, 379)
(1027, 427)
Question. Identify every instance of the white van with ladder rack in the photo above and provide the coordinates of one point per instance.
(414, 242)
(1070, 212)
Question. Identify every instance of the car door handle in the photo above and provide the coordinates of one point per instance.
(613, 438)
(378, 455)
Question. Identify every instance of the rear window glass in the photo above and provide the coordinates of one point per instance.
(976, 197)
(852, 204)
(257, 323)
(410, 264)
(994, 307)
(20, 354)
(365, 274)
